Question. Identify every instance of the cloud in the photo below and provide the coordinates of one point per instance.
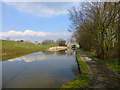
(30, 33)
(24, 33)
(46, 9)
(33, 35)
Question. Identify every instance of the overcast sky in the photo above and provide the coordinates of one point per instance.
(36, 21)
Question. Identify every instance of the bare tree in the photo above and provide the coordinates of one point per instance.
(95, 27)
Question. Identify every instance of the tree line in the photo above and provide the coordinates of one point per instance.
(95, 27)
(60, 42)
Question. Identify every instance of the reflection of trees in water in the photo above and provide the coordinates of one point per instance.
(70, 52)
(75, 70)
(48, 52)
(67, 52)
(61, 52)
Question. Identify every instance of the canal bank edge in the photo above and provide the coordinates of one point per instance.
(100, 75)
(83, 79)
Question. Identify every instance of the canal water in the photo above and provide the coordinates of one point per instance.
(40, 70)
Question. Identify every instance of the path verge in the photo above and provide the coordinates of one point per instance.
(102, 77)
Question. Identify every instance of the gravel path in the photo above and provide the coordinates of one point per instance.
(102, 77)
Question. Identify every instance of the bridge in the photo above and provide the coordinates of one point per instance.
(73, 44)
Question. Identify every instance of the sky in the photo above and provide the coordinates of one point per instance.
(36, 21)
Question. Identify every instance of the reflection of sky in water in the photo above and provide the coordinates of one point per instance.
(51, 70)
(29, 58)
(38, 57)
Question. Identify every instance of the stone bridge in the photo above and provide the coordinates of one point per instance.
(73, 44)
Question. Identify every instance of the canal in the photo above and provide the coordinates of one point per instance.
(40, 70)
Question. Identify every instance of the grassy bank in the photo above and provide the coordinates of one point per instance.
(82, 80)
(12, 49)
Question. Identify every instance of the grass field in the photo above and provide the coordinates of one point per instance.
(12, 49)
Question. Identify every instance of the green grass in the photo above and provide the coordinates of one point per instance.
(83, 65)
(82, 80)
(113, 64)
(12, 49)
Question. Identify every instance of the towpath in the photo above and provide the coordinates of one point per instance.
(102, 77)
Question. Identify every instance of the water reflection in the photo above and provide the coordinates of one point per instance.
(39, 70)
(48, 52)
(38, 57)
(69, 52)
(46, 56)
(61, 52)
(75, 70)
(29, 58)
